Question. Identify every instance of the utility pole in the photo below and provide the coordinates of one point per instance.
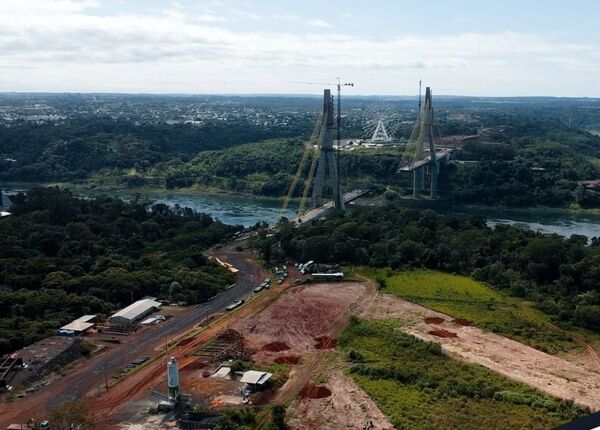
(105, 376)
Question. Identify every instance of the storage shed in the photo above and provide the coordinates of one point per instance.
(134, 312)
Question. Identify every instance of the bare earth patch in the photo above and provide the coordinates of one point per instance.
(304, 319)
(556, 376)
(348, 407)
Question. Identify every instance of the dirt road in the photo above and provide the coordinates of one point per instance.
(551, 374)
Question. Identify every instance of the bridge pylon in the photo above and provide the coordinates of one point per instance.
(420, 152)
(324, 163)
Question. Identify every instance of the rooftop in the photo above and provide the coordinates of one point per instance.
(255, 377)
(136, 309)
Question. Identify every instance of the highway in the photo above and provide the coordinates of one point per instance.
(87, 376)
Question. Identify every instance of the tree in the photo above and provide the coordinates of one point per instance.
(70, 415)
(278, 418)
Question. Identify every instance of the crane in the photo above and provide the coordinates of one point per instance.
(339, 86)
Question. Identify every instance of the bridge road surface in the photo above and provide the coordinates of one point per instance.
(321, 211)
(85, 376)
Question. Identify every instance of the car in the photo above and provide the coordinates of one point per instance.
(235, 304)
(259, 288)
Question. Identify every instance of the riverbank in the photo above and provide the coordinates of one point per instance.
(247, 210)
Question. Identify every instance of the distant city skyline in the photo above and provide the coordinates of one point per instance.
(462, 47)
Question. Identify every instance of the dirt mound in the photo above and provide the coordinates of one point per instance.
(230, 335)
(312, 391)
(287, 359)
(463, 322)
(434, 320)
(443, 333)
(275, 347)
(234, 347)
(325, 342)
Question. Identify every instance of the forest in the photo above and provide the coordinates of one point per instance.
(62, 257)
(559, 275)
(81, 146)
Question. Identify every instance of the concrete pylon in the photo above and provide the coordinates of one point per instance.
(327, 162)
(425, 138)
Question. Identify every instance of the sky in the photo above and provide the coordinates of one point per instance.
(458, 47)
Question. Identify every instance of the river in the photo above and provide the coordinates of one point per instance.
(247, 211)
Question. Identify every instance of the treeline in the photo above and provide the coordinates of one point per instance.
(533, 162)
(561, 275)
(76, 148)
(267, 168)
(61, 257)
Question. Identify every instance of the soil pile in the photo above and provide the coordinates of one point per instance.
(275, 347)
(287, 359)
(325, 342)
(234, 347)
(312, 391)
(443, 333)
(230, 335)
(462, 322)
(434, 320)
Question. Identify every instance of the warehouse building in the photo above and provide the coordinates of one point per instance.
(78, 327)
(135, 312)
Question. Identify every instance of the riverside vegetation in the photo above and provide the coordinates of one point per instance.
(62, 257)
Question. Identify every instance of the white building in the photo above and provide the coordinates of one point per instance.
(134, 312)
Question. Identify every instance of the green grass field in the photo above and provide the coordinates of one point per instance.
(418, 387)
(463, 297)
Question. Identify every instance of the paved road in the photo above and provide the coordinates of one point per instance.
(88, 375)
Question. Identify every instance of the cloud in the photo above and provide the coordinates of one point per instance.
(319, 23)
(66, 45)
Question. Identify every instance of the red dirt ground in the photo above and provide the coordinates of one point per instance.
(312, 391)
(325, 342)
(287, 359)
(462, 322)
(275, 347)
(443, 333)
(434, 320)
(197, 364)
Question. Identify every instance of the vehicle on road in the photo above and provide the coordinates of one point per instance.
(235, 304)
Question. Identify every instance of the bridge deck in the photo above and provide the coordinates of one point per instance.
(410, 166)
(322, 210)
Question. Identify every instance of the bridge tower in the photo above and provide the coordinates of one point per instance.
(321, 154)
(422, 141)
(327, 161)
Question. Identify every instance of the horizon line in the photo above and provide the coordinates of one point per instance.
(250, 94)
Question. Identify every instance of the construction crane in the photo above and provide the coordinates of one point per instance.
(339, 86)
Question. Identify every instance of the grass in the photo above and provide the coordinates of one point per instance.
(463, 297)
(418, 387)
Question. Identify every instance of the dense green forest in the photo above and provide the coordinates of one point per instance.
(561, 275)
(62, 257)
(79, 147)
(267, 168)
(532, 162)
(529, 163)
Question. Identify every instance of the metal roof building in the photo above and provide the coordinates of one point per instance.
(135, 311)
(79, 325)
(255, 377)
